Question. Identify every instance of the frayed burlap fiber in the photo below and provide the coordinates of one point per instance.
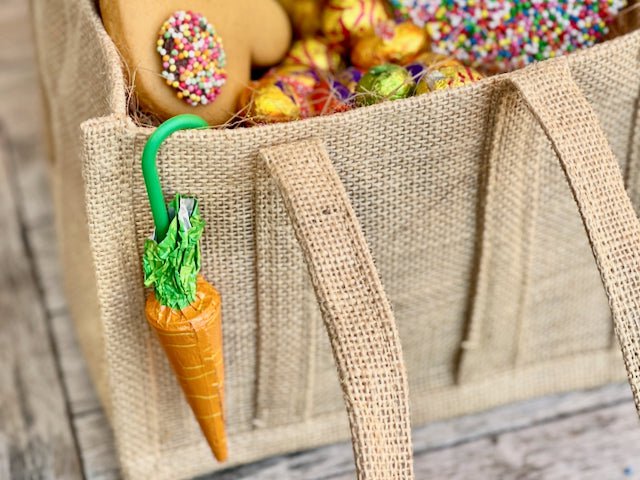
(462, 204)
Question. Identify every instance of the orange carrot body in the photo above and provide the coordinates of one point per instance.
(192, 340)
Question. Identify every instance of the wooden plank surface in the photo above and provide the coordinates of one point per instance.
(82, 396)
(97, 447)
(18, 75)
(93, 432)
(37, 439)
(603, 444)
(562, 436)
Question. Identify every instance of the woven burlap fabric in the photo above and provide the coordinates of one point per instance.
(598, 188)
(461, 199)
(357, 313)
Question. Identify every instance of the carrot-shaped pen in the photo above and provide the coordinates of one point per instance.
(184, 309)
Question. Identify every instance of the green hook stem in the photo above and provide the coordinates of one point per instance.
(150, 170)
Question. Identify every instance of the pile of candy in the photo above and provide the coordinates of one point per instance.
(352, 53)
(502, 35)
(388, 60)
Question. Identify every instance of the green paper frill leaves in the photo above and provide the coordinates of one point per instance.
(171, 267)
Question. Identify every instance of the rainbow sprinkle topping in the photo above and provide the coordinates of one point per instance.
(504, 35)
(193, 58)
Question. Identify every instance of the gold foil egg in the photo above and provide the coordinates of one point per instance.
(390, 43)
(344, 20)
(435, 60)
(306, 16)
(265, 102)
(315, 53)
(444, 78)
(303, 78)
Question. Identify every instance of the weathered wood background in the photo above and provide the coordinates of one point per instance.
(52, 426)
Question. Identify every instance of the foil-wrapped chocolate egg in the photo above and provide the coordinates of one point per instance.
(389, 43)
(425, 62)
(264, 102)
(331, 96)
(344, 20)
(444, 78)
(299, 79)
(349, 77)
(435, 60)
(417, 71)
(384, 82)
(305, 17)
(314, 52)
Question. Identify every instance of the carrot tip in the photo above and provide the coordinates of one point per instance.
(221, 456)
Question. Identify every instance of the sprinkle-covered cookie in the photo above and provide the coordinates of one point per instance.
(193, 58)
(508, 34)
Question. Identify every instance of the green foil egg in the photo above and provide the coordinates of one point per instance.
(384, 82)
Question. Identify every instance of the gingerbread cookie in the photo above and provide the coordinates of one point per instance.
(195, 56)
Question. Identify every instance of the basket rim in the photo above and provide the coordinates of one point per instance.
(119, 100)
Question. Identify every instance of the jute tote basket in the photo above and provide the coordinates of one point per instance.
(468, 205)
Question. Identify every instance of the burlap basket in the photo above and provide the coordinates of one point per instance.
(461, 203)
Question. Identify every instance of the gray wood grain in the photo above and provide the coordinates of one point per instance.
(97, 446)
(93, 432)
(38, 440)
(599, 444)
(32, 180)
(81, 393)
(42, 243)
(18, 77)
(5, 462)
(21, 109)
(449, 436)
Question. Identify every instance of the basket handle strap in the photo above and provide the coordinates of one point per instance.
(355, 309)
(598, 189)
